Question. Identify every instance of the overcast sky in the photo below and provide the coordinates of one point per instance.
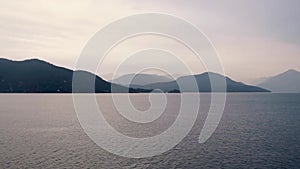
(254, 38)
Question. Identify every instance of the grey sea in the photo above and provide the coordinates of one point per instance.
(256, 131)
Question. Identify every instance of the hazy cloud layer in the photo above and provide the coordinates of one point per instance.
(254, 38)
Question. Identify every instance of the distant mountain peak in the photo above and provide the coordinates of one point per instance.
(209, 73)
(292, 71)
(286, 82)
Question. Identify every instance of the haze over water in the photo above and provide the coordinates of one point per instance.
(256, 131)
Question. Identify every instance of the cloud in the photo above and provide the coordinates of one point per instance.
(245, 33)
(52, 30)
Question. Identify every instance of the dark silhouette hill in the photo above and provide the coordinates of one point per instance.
(36, 76)
(203, 82)
(286, 82)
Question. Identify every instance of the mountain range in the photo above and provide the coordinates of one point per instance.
(203, 84)
(37, 76)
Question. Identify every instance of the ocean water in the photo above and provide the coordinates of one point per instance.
(256, 131)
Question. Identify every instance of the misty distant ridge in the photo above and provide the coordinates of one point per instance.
(140, 79)
(286, 82)
(202, 82)
(37, 76)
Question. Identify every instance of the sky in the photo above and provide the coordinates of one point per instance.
(254, 38)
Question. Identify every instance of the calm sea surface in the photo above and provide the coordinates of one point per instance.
(256, 131)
